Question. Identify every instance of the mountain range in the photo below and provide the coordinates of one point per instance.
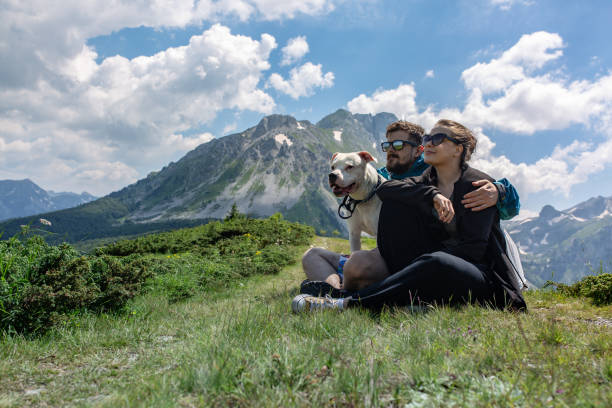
(281, 165)
(565, 245)
(19, 198)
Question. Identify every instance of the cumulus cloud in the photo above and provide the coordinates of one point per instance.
(121, 107)
(302, 80)
(400, 101)
(295, 49)
(512, 93)
(66, 116)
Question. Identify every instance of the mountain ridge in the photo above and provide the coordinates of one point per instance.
(278, 165)
(19, 198)
(281, 165)
(565, 245)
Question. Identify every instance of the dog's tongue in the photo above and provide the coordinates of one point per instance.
(341, 191)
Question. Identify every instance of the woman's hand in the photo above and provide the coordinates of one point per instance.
(444, 207)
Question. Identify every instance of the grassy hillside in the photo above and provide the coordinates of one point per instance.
(99, 219)
(238, 344)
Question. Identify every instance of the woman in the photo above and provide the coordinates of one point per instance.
(435, 249)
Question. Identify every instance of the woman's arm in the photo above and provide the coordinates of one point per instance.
(409, 190)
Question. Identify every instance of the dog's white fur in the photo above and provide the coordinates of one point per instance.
(351, 174)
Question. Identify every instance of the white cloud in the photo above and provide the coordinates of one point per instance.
(120, 107)
(400, 101)
(280, 9)
(230, 127)
(302, 80)
(531, 52)
(181, 143)
(295, 49)
(507, 4)
(510, 93)
(521, 100)
(430, 74)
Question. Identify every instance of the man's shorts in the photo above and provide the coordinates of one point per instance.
(340, 271)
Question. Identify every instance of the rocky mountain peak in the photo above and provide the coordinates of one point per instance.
(335, 119)
(24, 197)
(272, 122)
(549, 212)
(593, 207)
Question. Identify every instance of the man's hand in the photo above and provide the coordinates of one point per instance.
(484, 197)
(444, 207)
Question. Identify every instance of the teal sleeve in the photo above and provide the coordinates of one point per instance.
(508, 204)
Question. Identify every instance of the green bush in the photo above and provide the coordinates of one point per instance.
(261, 232)
(41, 284)
(596, 287)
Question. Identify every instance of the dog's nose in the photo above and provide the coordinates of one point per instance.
(332, 177)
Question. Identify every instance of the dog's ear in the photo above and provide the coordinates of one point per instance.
(334, 156)
(367, 157)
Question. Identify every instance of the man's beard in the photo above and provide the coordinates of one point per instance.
(399, 168)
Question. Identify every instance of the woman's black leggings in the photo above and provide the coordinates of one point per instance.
(420, 271)
(438, 278)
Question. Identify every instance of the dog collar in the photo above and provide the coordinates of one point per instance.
(349, 203)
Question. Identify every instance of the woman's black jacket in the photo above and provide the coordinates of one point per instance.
(479, 239)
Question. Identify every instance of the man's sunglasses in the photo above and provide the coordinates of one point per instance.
(438, 138)
(397, 145)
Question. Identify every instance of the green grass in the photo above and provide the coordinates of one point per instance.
(242, 346)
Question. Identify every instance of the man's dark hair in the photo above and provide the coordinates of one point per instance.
(415, 131)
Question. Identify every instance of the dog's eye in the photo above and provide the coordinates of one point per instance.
(349, 167)
(333, 167)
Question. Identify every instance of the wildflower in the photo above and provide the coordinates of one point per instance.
(258, 253)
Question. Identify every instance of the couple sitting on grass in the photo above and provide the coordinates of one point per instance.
(439, 236)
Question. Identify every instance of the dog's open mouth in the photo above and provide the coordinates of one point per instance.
(342, 191)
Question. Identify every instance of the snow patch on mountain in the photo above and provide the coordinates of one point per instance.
(282, 138)
(338, 135)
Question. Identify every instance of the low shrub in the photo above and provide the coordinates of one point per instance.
(598, 288)
(41, 284)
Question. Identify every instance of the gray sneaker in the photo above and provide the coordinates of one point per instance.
(308, 303)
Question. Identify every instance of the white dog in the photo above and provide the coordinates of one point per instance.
(353, 178)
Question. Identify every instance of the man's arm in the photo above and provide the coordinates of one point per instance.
(500, 193)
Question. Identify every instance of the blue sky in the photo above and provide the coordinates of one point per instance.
(95, 97)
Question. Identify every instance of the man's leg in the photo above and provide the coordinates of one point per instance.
(322, 265)
(363, 269)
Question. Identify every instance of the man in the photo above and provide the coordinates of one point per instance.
(404, 159)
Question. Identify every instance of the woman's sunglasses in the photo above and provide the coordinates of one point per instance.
(396, 144)
(438, 138)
